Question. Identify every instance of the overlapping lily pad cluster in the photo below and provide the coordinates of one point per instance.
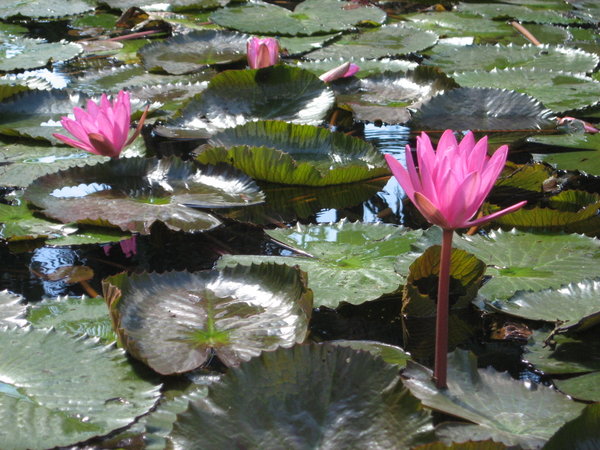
(250, 137)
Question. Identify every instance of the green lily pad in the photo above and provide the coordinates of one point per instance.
(482, 109)
(134, 193)
(521, 261)
(349, 262)
(587, 160)
(74, 388)
(454, 24)
(45, 8)
(505, 409)
(581, 433)
(391, 354)
(20, 53)
(563, 354)
(131, 77)
(568, 305)
(516, 12)
(386, 41)
(420, 291)
(471, 445)
(548, 34)
(19, 222)
(21, 164)
(583, 387)
(193, 51)
(451, 58)
(314, 396)
(235, 97)
(285, 153)
(309, 17)
(389, 96)
(74, 315)
(175, 321)
(87, 235)
(12, 309)
(367, 66)
(296, 45)
(559, 91)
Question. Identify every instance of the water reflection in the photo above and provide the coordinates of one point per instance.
(47, 260)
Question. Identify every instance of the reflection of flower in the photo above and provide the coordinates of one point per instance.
(128, 247)
(103, 128)
(262, 52)
(345, 70)
(450, 185)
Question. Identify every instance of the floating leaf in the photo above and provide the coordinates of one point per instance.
(587, 160)
(134, 193)
(563, 354)
(454, 24)
(386, 41)
(302, 44)
(505, 409)
(482, 109)
(518, 260)
(12, 309)
(389, 353)
(309, 17)
(351, 262)
(45, 8)
(420, 291)
(190, 52)
(515, 12)
(388, 97)
(235, 97)
(333, 397)
(581, 433)
(74, 315)
(74, 389)
(18, 222)
(285, 153)
(25, 53)
(559, 91)
(568, 305)
(583, 387)
(175, 321)
(367, 66)
(451, 58)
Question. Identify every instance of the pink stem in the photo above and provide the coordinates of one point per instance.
(440, 367)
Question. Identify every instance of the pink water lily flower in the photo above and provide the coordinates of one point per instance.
(262, 52)
(103, 128)
(451, 183)
(343, 71)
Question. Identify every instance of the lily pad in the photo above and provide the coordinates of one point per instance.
(391, 354)
(451, 58)
(235, 97)
(516, 12)
(313, 396)
(420, 291)
(21, 164)
(505, 409)
(134, 193)
(482, 109)
(567, 305)
(285, 153)
(74, 315)
(386, 41)
(521, 261)
(581, 433)
(175, 321)
(309, 17)
(454, 24)
(20, 53)
(389, 96)
(19, 222)
(367, 66)
(348, 262)
(193, 51)
(563, 354)
(586, 160)
(559, 91)
(12, 309)
(74, 388)
(45, 8)
(296, 45)
(583, 387)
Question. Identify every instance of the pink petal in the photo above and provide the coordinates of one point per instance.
(429, 211)
(103, 146)
(73, 143)
(447, 142)
(497, 214)
(401, 175)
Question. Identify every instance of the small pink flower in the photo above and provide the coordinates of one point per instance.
(587, 127)
(451, 183)
(262, 52)
(103, 128)
(345, 70)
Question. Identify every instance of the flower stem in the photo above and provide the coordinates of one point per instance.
(443, 310)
